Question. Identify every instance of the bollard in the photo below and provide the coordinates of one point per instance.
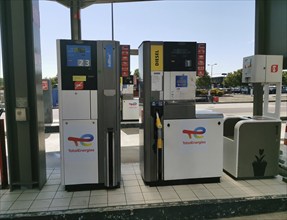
(3, 160)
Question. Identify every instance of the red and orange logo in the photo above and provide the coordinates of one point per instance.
(274, 68)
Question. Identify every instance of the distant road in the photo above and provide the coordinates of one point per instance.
(242, 109)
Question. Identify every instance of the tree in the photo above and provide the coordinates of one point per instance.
(284, 78)
(203, 82)
(233, 79)
(54, 81)
(1, 83)
(137, 73)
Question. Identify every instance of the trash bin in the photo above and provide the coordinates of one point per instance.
(215, 98)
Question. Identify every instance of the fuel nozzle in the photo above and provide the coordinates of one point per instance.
(158, 125)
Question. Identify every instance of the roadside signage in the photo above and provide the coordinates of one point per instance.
(125, 60)
(45, 85)
(201, 59)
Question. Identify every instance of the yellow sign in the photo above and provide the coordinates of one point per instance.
(156, 57)
(79, 78)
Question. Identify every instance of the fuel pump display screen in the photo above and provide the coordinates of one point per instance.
(78, 56)
(78, 64)
(180, 56)
(180, 81)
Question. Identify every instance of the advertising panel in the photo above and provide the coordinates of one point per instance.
(80, 151)
(192, 148)
(201, 59)
(125, 60)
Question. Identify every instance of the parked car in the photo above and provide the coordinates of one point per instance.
(235, 90)
(272, 89)
(244, 90)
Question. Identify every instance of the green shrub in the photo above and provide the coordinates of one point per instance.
(220, 93)
(216, 92)
(201, 92)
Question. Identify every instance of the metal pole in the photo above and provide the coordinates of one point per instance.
(259, 49)
(3, 160)
(75, 11)
(112, 8)
(211, 70)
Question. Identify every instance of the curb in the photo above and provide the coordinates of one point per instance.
(203, 209)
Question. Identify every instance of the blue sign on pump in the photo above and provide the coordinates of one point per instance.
(109, 56)
(181, 81)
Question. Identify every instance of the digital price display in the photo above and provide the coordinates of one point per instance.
(78, 56)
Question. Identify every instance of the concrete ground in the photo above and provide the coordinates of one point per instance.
(130, 155)
(235, 98)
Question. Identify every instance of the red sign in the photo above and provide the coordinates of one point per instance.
(125, 47)
(125, 60)
(125, 73)
(125, 53)
(201, 68)
(45, 85)
(125, 69)
(200, 73)
(274, 68)
(200, 57)
(200, 62)
(78, 85)
(201, 53)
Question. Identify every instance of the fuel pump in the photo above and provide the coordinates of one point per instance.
(176, 142)
(88, 73)
(130, 105)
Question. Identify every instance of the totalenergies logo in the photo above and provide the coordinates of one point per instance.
(85, 140)
(133, 104)
(197, 133)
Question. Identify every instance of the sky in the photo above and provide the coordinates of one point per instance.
(226, 26)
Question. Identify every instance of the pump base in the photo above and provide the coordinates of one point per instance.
(249, 177)
(183, 181)
(82, 187)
